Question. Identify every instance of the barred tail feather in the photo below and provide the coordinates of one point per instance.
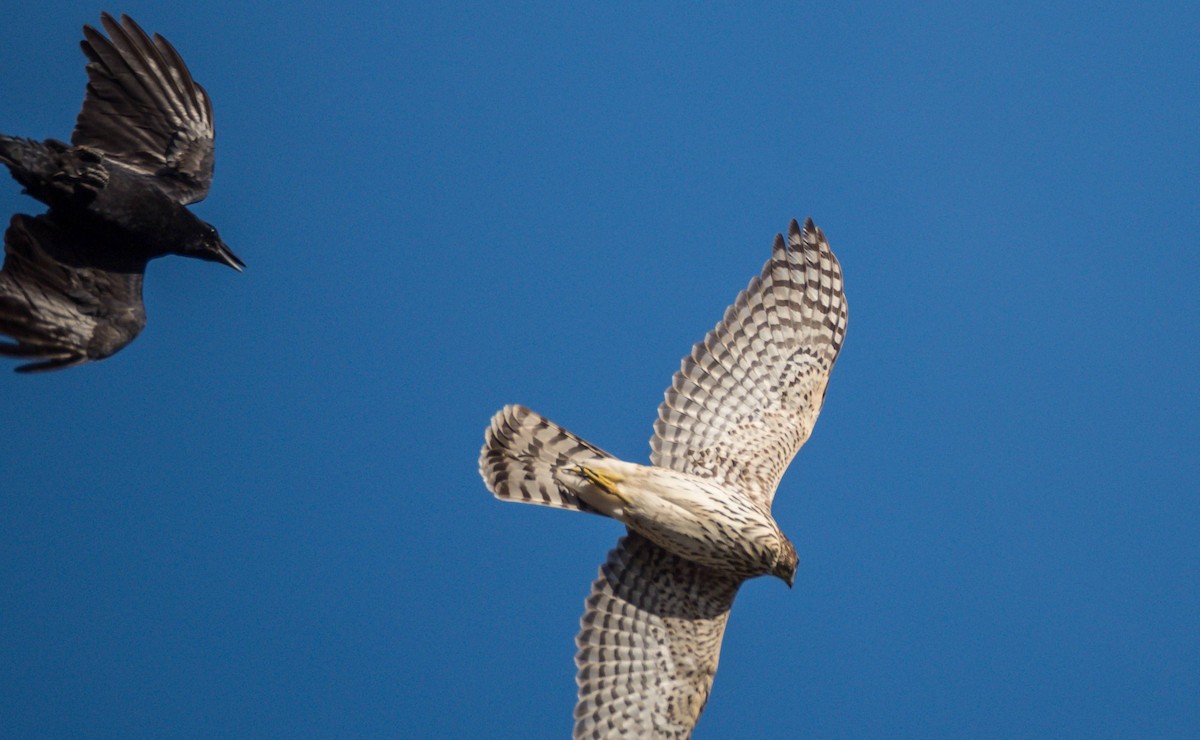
(525, 458)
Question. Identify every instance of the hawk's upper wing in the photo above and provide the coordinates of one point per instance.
(746, 399)
(649, 643)
(144, 110)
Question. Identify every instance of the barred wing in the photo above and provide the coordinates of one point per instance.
(144, 110)
(747, 397)
(649, 642)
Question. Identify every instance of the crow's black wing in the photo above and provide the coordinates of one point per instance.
(60, 310)
(144, 110)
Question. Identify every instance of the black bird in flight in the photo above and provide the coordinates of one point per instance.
(142, 149)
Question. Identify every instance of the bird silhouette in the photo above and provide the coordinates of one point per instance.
(142, 149)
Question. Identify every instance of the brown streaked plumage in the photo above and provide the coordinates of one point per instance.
(699, 518)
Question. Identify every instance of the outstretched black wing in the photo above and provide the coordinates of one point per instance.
(59, 309)
(144, 110)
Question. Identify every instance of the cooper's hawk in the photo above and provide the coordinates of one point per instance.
(699, 519)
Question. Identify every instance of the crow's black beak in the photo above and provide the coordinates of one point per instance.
(225, 256)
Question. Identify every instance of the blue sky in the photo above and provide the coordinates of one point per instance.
(264, 516)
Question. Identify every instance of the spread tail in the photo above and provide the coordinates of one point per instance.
(526, 458)
(27, 159)
(53, 172)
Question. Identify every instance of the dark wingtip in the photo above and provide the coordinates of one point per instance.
(50, 365)
(131, 26)
(795, 236)
(46, 358)
(108, 21)
(809, 227)
(93, 35)
(117, 30)
(811, 233)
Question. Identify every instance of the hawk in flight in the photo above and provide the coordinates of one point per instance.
(699, 517)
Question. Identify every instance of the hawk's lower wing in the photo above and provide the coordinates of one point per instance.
(649, 643)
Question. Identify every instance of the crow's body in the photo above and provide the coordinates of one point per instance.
(142, 149)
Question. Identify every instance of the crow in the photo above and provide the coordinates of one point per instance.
(142, 149)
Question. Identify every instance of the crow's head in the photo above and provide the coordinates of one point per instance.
(207, 245)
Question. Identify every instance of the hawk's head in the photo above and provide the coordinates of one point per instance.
(785, 566)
